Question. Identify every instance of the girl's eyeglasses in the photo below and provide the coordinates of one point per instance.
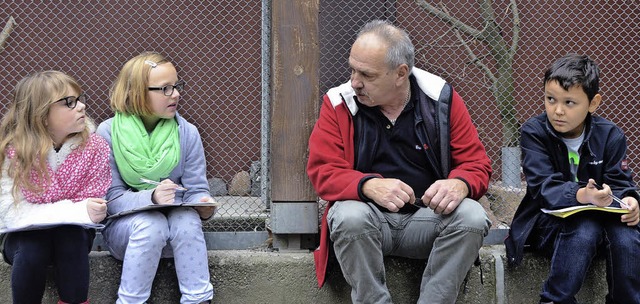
(71, 101)
(168, 89)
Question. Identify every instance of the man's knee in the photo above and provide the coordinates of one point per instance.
(347, 217)
(473, 216)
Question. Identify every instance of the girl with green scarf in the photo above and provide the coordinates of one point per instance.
(150, 141)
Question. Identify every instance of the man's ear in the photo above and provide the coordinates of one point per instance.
(402, 72)
(594, 103)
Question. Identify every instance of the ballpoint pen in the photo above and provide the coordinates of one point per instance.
(148, 181)
(615, 198)
(114, 198)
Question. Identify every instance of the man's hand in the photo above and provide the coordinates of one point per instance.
(631, 218)
(389, 193)
(445, 195)
(97, 209)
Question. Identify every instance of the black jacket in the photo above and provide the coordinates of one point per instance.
(545, 162)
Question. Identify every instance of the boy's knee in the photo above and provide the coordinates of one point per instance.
(624, 239)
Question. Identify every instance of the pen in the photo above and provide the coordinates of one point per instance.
(148, 181)
(113, 198)
(615, 198)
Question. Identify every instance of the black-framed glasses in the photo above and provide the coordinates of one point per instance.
(71, 101)
(168, 89)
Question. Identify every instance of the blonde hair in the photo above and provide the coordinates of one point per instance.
(24, 128)
(129, 93)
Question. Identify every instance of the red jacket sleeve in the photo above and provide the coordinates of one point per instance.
(469, 160)
(331, 154)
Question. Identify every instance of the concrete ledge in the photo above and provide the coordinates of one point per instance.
(242, 276)
(523, 283)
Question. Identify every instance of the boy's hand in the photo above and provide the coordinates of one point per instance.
(591, 194)
(633, 217)
(97, 209)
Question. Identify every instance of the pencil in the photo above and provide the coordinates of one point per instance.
(148, 181)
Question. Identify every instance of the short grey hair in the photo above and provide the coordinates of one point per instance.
(400, 49)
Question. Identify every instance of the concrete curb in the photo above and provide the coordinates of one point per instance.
(243, 276)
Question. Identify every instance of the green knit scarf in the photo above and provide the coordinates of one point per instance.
(140, 154)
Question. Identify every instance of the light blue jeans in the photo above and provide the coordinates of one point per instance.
(141, 239)
(363, 235)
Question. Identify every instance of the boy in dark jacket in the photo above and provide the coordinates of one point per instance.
(572, 158)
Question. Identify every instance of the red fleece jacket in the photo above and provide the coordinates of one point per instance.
(331, 153)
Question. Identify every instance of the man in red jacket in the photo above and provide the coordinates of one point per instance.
(395, 153)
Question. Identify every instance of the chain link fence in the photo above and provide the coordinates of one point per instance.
(495, 54)
(216, 46)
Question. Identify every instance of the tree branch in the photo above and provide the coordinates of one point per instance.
(515, 32)
(474, 59)
(449, 19)
(8, 28)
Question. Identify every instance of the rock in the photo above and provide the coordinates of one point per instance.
(256, 177)
(486, 204)
(504, 201)
(240, 184)
(217, 187)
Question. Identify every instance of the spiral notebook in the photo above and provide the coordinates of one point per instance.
(565, 212)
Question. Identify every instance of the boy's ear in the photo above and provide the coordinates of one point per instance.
(594, 103)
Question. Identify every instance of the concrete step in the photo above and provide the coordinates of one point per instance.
(245, 276)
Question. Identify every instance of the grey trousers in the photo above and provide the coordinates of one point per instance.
(141, 239)
(363, 235)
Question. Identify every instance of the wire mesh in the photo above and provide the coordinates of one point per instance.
(469, 43)
(215, 46)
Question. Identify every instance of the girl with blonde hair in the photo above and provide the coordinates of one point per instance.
(54, 176)
(151, 141)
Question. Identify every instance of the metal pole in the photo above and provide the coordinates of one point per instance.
(265, 183)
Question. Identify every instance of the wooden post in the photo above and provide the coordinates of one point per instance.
(295, 101)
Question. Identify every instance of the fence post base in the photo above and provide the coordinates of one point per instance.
(294, 225)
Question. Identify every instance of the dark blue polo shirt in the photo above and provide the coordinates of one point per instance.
(396, 149)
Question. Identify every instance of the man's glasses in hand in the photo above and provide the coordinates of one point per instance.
(419, 203)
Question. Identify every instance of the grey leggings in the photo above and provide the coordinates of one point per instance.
(141, 239)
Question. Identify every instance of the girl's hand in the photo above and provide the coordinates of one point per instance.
(97, 209)
(632, 218)
(206, 212)
(165, 193)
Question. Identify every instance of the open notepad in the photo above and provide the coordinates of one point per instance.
(564, 212)
(159, 207)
